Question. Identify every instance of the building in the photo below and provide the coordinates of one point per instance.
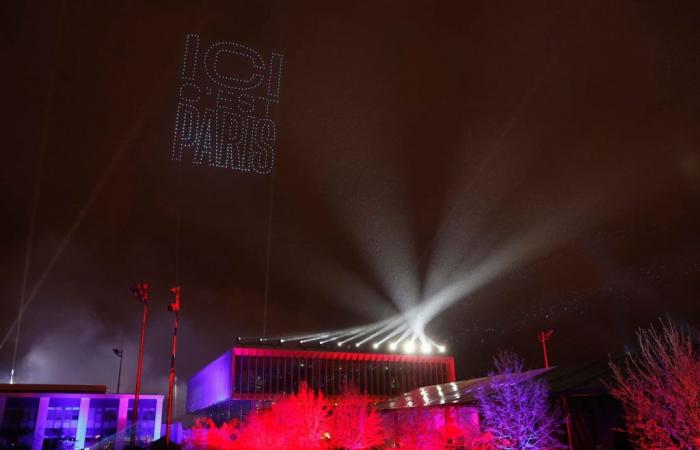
(442, 405)
(244, 378)
(593, 418)
(414, 391)
(73, 416)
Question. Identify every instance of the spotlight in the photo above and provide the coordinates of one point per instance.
(340, 344)
(357, 345)
(409, 347)
(281, 341)
(393, 346)
(425, 348)
(375, 345)
(441, 348)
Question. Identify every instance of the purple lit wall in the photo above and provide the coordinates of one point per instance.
(210, 385)
(51, 417)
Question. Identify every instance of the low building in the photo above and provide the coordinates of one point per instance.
(593, 418)
(440, 406)
(246, 378)
(73, 416)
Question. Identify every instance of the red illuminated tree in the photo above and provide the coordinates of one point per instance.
(423, 429)
(264, 430)
(354, 424)
(659, 388)
(205, 435)
(297, 422)
(309, 416)
(515, 411)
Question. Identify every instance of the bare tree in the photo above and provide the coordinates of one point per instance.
(354, 425)
(659, 388)
(516, 411)
(296, 422)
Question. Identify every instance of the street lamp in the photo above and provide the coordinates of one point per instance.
(140, 291)
(120, 354)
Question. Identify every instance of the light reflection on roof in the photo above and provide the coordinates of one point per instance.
(462, 392)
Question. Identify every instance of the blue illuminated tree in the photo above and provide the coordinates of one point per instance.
(516, 410)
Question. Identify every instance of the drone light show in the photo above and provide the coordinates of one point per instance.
(226, 98)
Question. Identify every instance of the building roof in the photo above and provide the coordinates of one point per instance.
(54, 388)
(456, 393)
(589, 378)
(586, 379)
(324, 353)
(318, 345)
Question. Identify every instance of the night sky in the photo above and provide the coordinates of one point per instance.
(416, 141)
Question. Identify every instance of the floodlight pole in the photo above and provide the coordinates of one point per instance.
(140, 291)
(175, 308)
(543, 337)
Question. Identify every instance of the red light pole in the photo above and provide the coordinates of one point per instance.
(543, 337)
(175, 308)
(140, 291)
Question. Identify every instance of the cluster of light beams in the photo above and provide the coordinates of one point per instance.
(402, 333)
(531, 242)
(405, 332)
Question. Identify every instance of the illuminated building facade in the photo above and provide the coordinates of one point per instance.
(244, 377)
(71, 416)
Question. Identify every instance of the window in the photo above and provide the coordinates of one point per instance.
(20, 413)
(61, 423)
(146, 421)
(17, 428)
(102, 420)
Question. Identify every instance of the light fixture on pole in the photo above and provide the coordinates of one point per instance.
(120, 354)
(140, 291)
(174, 307)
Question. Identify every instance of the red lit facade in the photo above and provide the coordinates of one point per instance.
(263, 374)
